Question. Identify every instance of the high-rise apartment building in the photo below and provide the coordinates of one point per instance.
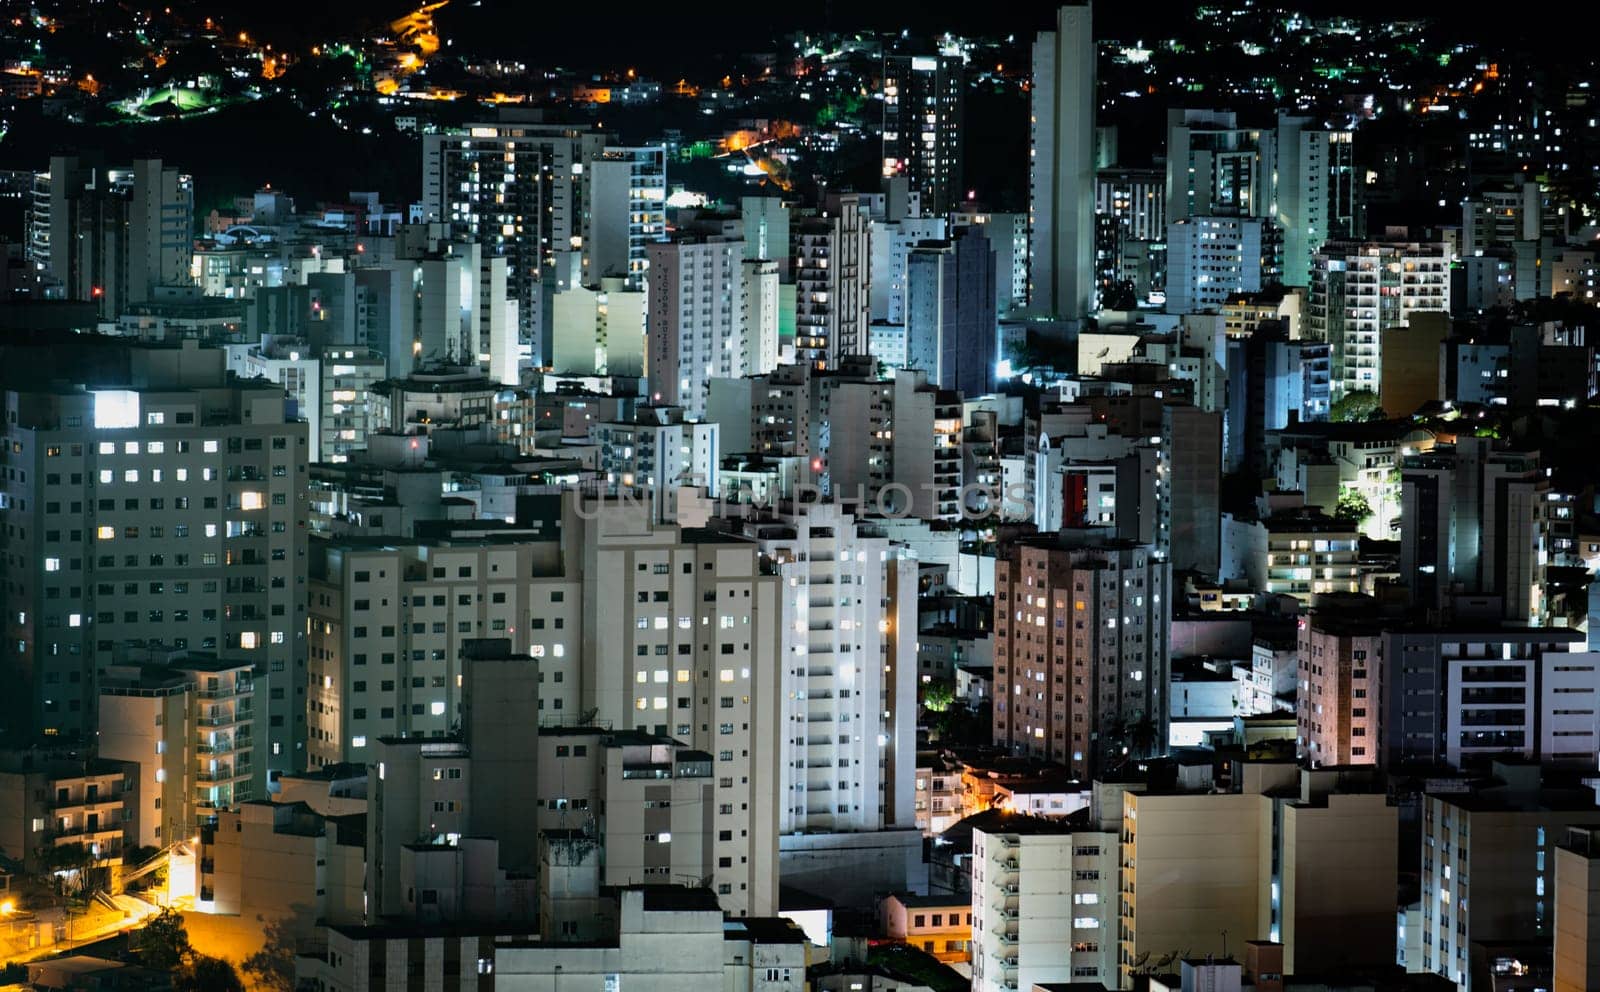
(831, 255)
(697, 321)
(1339, 690)
(697, 655)
(111, 236)
(1476, 523)
(898, 447)
(891, 244)
(1211, 260)
(1489, 864)
(328, 387)
(1008, 236)
(625, 210)
(516, 190)
(765, 220)
(656, 453)
(1577, 914)
(924, 101)
(1361, 289)
(1061, 167)
(1272, 858)
(1080, 649)
(949, 314)
(599, 331)
(1314, 191)
(1044, 903)
(850, 685)
(389, 626)
(166, 508)
(1463, 695)
(1215, 168)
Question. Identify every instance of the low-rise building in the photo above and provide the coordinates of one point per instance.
(55, 800)
(939, 925)
(665, 938)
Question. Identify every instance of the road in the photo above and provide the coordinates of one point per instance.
(137, 909)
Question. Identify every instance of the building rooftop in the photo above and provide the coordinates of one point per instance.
(911, 900)
(764, 930)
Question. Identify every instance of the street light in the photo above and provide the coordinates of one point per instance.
(8, 907)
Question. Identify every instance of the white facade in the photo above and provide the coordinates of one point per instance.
(761, 315)
(1044, 906)
(1557, 718)
(1359, 290)
(697, 323)
(626, 210)
(1211, 259)
(654, 456)
(599, 331)
(849, 671)
(890, 244)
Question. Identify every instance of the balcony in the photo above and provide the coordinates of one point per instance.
(221, 773)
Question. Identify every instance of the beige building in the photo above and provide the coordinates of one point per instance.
(190, 727)
(389, 627)
(662, 940)
(283, 861)
(1577, 919)
(1259, 864)
(1044, 903)
(53, 800)
(1488, 864)
(939, 925)
(1308, 554)
(683, 638)
(940, 793)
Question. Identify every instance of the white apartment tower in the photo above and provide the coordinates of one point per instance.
(1361, 289)
(1044, 904)
(626, 209)
(832, 274)
(849, 657)
(697, 320)
(1061, 166)
(696, 654)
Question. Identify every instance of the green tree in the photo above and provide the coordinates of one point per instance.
(938, 695)
(163, 943)
(200, 973)
(1354, 406)
(1353, 506)
(272, 967)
